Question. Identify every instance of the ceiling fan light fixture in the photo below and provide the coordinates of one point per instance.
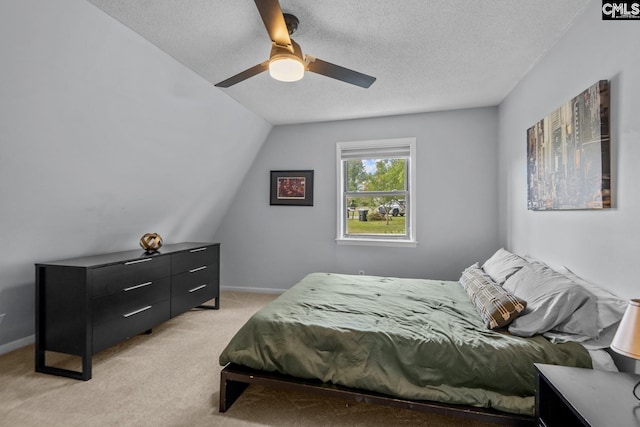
(286, 68)
(286, 61)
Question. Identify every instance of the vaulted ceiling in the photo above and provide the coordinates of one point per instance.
(427, 55)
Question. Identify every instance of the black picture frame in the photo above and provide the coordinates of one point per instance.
(292, 188)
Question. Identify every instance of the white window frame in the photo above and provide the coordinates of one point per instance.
(383, 146)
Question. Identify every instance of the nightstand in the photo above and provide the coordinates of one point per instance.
(567, 397)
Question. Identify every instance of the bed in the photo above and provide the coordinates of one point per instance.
(435, 345)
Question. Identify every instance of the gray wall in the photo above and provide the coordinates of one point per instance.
(102, 139)
(602, 246)
(272, 247)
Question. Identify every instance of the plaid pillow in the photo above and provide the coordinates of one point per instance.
(497, 306)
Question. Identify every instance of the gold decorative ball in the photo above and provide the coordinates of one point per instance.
(151, 242)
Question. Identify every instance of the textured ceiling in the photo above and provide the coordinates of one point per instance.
(427, 55)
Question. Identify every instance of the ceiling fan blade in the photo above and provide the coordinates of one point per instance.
(339, 73)
(256, 69)
(273, 19)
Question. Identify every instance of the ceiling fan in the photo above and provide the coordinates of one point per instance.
(286, 62)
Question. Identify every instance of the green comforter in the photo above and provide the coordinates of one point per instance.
(411, 338)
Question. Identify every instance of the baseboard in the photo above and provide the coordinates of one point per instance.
(252, 290)
(14, 345)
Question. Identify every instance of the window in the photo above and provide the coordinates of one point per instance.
(376, 187)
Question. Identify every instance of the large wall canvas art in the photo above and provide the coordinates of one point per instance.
(568, 154)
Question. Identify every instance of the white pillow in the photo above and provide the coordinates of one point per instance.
(603, 341)
(552, 299)
(573, 323)
(610, 306)
(502, 265)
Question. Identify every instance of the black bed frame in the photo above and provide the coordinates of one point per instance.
(234, 379)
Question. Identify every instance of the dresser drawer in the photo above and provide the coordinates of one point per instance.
(115, 277)
(189, 290)
(194, 258)
(129, 323)
(125, 300)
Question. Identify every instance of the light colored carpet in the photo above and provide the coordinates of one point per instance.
(171, 378)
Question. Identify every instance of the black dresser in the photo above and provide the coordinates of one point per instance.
(84, 305)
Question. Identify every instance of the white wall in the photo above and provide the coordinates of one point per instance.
(103, 138)
(602, 246)
(272, 247)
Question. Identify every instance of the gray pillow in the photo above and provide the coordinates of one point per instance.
(502, 265)
(494, 304)
(553, 302)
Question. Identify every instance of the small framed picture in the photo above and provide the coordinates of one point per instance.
(294, 188)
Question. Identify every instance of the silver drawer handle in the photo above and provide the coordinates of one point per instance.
(138, 261)
(141, 285)
(198, 288)
(198, 250)
(198, 269)
(137, 311)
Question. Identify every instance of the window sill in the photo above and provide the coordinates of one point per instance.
(377, 242)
